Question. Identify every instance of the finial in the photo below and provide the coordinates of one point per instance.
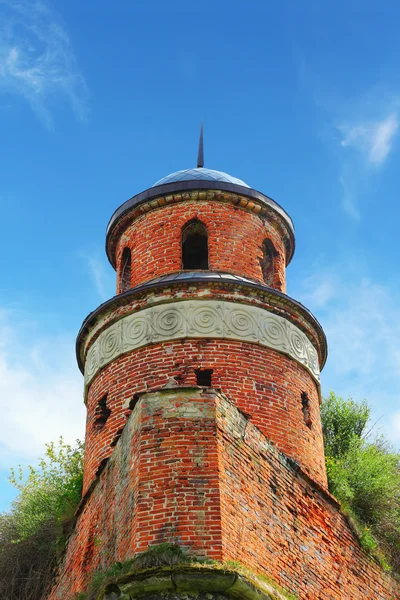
(200, 155)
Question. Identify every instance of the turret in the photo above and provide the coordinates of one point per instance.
(203, 434)
(201, 264)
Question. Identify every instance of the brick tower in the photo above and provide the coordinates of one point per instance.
(202, 392)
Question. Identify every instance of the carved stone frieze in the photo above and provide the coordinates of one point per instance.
(200, 319)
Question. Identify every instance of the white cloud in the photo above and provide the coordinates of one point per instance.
(373, 139)
(36, 59)
(103, 276)
(320, 291)
(348, 199)
(360, 319)
(40, 390)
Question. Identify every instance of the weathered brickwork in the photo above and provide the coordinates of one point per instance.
(279, 523)
(235, 239)
(160, 485)
(192, 469)
(228, 464)
(265, 384)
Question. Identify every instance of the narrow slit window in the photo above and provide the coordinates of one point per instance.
(203, 377)
(305, 407)
(102, 413)
(267, 262)
(125, 275)
(195, 246)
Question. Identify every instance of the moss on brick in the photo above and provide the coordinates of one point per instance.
(167, 569)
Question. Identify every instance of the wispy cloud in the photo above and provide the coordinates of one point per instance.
(365, 144)
(360, 319)
(40, 390)
(348, 199)
(102, 275)
(373, 139)
(37, 61)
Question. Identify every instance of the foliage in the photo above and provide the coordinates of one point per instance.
(33, 533)
(343, 422)
(364, 475)
(51, 491)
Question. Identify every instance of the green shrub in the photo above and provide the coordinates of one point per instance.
(364, 475)
(33, 532)
(343, 422)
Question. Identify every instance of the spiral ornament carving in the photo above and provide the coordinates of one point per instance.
(200, 318)
(204, 319)
(242, 323)
(135, 332)
(92, 363)
(168, 321)
(110, 344)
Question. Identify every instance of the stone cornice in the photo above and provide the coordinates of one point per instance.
(215, 319)
(199, 191)
(215, 286)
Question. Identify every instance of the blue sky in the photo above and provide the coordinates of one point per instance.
(100, 99)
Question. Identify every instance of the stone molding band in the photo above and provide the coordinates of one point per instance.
(200, 319)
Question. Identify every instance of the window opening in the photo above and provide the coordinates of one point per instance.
(125, 277)
(305, 407)
(194, 246)
(101, 413)
(267, 262)
(203, 377)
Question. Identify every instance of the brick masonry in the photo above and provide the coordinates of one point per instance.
(191, 468)
(231, 472)
(265, 384)
(235, 238)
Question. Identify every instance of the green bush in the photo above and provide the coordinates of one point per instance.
(364, 474)
(33, 532)
(343, 422)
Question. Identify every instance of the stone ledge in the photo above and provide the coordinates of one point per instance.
(182, 581)
(157, 293)
(216, 319)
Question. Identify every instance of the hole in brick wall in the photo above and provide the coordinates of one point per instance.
(101, 413)
(126, 268)
(305, 407)
(203, 377)
(134, 401)
(194, 246)
(267, 262)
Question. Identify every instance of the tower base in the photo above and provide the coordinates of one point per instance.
(190, 469)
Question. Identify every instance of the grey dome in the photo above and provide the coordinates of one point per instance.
(202, 174)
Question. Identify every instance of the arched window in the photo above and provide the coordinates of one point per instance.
(194, 246)
(125, 273)
(267, 262)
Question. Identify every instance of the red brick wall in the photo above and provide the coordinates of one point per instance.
(263, 383)
(191, 469)
(161, 485)
(235, 238)
(277, 522)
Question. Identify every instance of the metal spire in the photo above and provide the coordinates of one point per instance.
(200, 155)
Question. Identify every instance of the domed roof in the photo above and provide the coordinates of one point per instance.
(202, 174)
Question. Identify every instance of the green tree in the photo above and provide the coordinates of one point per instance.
(343, 422)
(364, 474)
(33, 532)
